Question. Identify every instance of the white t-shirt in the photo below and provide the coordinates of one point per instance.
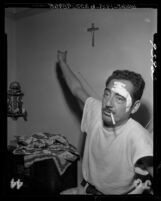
(110, 156)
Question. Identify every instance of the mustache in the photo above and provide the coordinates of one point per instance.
(107, 109)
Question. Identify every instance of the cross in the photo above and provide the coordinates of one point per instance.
(92, 29)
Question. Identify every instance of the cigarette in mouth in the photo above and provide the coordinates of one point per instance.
(113, 120)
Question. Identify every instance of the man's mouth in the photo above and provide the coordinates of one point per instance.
(107, 112)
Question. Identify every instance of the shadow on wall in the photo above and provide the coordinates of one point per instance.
(73, 105)
(143, 115)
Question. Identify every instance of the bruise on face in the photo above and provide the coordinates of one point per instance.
(119, 88)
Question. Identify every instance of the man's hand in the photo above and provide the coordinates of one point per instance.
(61, 56)
(140, 187)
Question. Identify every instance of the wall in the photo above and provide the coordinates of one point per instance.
(10, 29)
(122, 42)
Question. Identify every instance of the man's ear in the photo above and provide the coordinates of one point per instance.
(136, 106)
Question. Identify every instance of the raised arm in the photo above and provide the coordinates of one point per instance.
(72, 80)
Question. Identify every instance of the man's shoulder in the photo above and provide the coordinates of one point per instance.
(91, 113)
(137, 124)
(136, 128)
(93, 102)
(92, 107)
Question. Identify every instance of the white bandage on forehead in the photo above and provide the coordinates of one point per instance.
(119, 88)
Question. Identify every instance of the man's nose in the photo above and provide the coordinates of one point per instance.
(109, 102)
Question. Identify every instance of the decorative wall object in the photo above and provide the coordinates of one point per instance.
(92, 29)
(14, 102)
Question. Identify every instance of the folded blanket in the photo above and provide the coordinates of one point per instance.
(43, 146)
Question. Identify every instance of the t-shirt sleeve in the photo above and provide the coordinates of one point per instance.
(88, 113)
(142, 145)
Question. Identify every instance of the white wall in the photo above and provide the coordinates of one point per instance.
(122, 42)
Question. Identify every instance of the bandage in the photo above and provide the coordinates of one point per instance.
(119, 88)
(113, 120)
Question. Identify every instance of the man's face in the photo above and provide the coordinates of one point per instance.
(117, 100)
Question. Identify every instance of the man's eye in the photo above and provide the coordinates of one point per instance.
(120, 99)
(106, 94)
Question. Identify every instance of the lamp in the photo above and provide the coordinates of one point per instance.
(14, 102)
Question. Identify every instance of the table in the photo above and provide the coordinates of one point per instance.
(41, 178)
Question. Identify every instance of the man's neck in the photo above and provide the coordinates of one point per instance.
(116, 126)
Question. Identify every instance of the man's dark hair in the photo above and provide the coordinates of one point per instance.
(135, 78)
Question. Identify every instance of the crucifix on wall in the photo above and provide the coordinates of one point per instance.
(92, 29)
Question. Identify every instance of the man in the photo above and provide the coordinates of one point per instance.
(116, 145)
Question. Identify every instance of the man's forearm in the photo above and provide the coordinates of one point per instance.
(148, 164)
(71, 79)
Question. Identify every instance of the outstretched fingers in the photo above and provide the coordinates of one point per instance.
(61, 56)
